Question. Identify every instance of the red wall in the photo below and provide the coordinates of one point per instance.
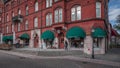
(87, 21)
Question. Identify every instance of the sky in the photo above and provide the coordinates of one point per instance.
(114, 10)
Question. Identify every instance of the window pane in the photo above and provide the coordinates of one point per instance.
(50, 19)
(36, 22)
(18, 26)
(12, 27)
(50, 2)
(26, 25)
(36, 6)
(60, 15)
(47, 20)
(47, 3)
(78, 13)
(98, 9)
(56, 16)
(73, 14)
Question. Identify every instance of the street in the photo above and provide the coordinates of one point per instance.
(10, 61)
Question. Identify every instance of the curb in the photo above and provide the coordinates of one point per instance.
(111, 63)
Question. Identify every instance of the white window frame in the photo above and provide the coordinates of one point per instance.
(19, 12)
(12, 27)
(18, 26)
(49, 19)
(27, 10)
(98, 9)
(36, 6)
(7, 29)
(35, 22)
(48, 3)
(26, 25)
(58, 15)
(76, 13)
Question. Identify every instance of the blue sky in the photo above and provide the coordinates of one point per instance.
(114, 10)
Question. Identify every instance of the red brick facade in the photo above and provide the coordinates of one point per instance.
(87, 22)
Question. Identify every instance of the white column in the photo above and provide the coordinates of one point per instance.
(14, 37)
(88, 43)
(31, 41)
(102, 46)
(1, 36)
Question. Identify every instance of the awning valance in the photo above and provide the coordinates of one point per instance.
(7, 38)
(25, 36)
(47, 35)
(75, 32)
(98, 32)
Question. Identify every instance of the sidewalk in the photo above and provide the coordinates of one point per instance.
(74, 58)
(111, 55)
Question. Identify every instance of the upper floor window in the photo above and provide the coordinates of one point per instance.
(58, 15)
(48, 3)
(7, 29)
(98, 9)
(13, 14)
(76, 13)
(12, 27)
(49, 19)
(26, 25)
(55, 0)
(27, 12)
(36, 22)
(7, 17)
(19, 11)
(36, 6)
(18, 26)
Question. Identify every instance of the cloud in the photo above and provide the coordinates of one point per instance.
(114, 11)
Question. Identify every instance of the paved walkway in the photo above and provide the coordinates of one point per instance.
(63, 57)
(111, 55)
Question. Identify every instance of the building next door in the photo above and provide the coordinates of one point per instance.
(36, 40)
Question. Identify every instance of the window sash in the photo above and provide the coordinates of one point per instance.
(98, 9)
(36, 6)
(76, 13)
(36, 22)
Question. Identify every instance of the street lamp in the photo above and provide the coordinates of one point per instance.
(92, 56)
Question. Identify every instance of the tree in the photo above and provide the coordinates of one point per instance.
(117, 24)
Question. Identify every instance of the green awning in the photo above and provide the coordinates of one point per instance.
(47, 35)
(4, 38)
(25, 36)
(7, 38)
(75, 32)
(10, 37)
(98, 32)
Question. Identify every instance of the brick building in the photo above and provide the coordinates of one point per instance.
(49, 23)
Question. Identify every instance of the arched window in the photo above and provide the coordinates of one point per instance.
(35, 22)
(26, 25)
(7, 17)
(13, 14)
(49, 19)
(19, 12)
(76, 13)
(58, 15)
(27, 12)
(18, 26)
(36, 6)
(12, 27)
(7, 29)
(98, 9)
(48, 3)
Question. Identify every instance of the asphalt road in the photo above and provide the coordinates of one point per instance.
(9, 61)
